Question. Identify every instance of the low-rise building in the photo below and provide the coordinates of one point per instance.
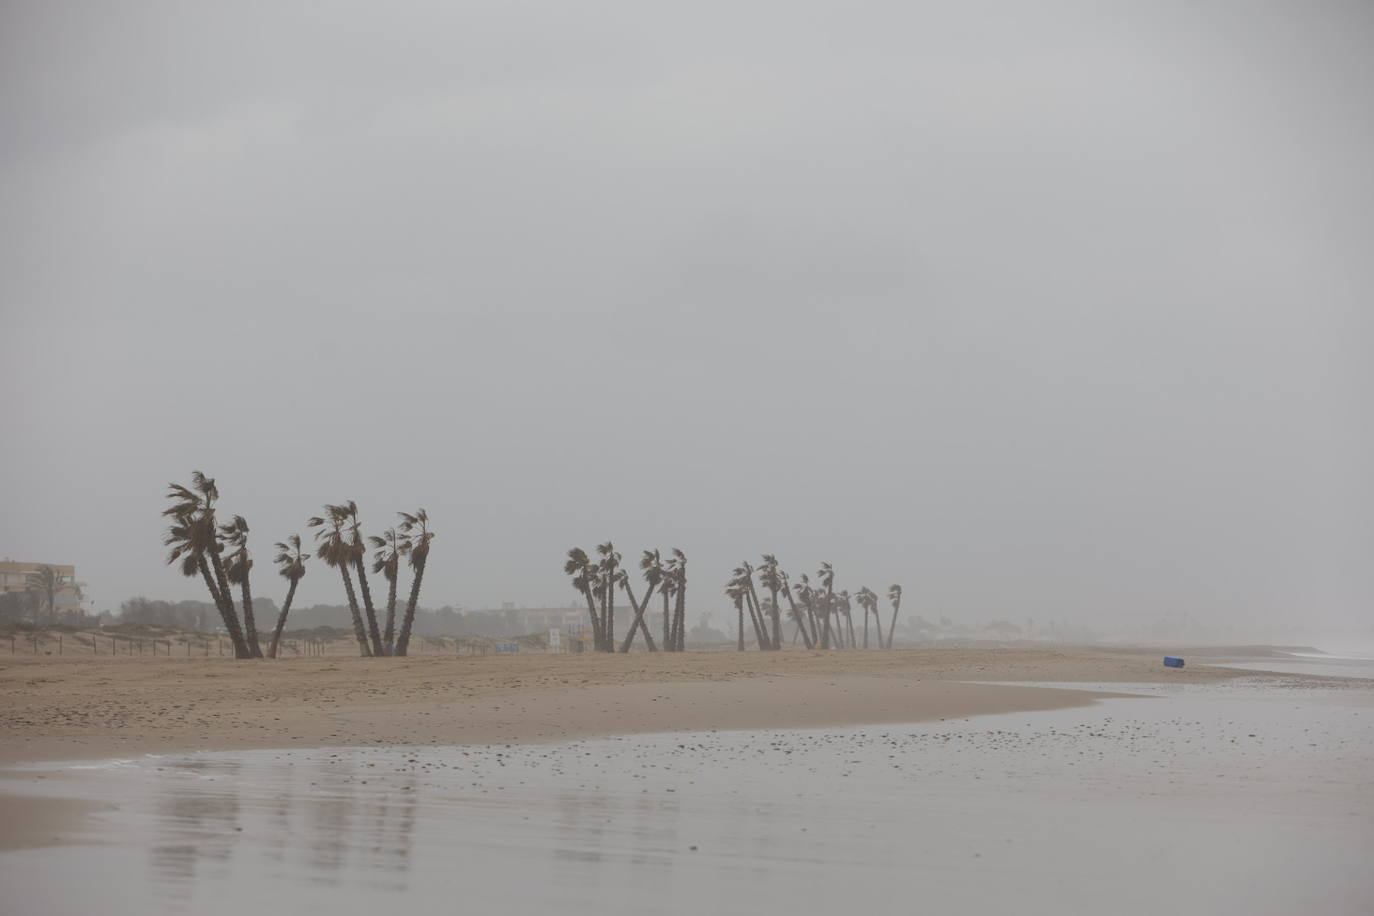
(15, 577)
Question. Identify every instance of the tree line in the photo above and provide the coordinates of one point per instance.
(200, 545)
(597, 580)
(823, 617)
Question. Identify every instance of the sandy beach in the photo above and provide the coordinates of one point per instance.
(56, 709)
(100, 708)
(372, 775)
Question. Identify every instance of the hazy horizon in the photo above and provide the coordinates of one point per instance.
(1041, 311)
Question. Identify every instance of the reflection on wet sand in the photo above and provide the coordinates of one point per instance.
(1046, 812)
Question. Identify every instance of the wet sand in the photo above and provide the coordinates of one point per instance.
(125, 707)
(1212, 797)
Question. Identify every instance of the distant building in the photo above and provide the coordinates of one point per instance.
(14, 577)
(524, 620)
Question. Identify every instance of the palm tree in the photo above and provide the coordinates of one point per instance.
(355, 531)
(843, 606)
(237, 566)
(652, 565)
(744, 579)
(416, 529)
(808, 636)
(735, 592)
(583, 572)
(678, 571)
(668, 589)
(868, 600)
(610, 562)
(291, 565)
(894, 594)
(826, 575)
(770, 577)
(387, 561)
(194, 545)
(336, 551)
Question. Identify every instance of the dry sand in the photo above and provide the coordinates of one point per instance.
(108, 707)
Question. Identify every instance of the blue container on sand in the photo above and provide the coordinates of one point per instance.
(1171, 661)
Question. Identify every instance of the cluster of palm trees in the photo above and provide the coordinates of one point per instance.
(201, 546)
(823, 617)
(597, 580)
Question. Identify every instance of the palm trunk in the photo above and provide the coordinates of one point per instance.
(849, 626)
(801, 621)
(756, 619)
(801, 628)
(222, 581)
(249, 625)
(739, 627)
(610, 614)
(667, 619)
(680, 615)
(403, 641)
(777, 621)
(372, 631)
(827, 636)
(893, 625)
(601, 597)
(866, 626)
(596, 621)
(281, 620)
(358, 629)
(639, 623)
(389, 637)
(226, 612)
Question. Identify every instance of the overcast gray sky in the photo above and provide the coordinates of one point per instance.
(1054, 309)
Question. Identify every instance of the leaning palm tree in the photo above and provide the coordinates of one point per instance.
(193, 543)
(291, 565)
(237, 566)
(189, 538)
(356, 540)
(652, 565)
(335, 549)
(770, 577)
(201, 498)
(843, 605)
(744, 579)
(583, 572)
(894, 594)
(623, 580)
(808, 636)
(416, 528)
(387, 561)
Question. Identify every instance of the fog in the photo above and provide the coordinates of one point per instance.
(1057, 310)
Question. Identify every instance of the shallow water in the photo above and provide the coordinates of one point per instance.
(1207, 802)
(1325, 665)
